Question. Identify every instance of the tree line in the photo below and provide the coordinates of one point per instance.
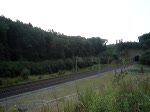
(23, 46)
(20, 41)
(144, 41)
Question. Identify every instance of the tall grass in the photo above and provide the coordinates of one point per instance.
(125, 93)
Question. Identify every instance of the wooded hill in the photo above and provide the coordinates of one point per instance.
(19, 41)
(144, 41)
(23, 46)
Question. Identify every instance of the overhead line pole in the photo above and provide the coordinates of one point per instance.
(99, 63)
(76, 64)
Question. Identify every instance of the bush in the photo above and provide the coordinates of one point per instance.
(61, 72)
(101, 104)
(132, 96)
(7, 82)
(145, 58)
(25, 73)
(10, 69)
(69, 64)
(103, 60)
(18, 80)
(14, 69)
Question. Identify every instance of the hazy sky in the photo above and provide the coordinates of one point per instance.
(109, 19)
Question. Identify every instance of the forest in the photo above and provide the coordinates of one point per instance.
(21, 41)
(23, 46)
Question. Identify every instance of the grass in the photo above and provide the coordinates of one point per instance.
(68, 89)
(60, 92)
(139, 68)
(122, 92)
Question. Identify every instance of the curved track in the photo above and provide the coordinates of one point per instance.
(31, 86)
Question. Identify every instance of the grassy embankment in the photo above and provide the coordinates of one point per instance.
(19, 80)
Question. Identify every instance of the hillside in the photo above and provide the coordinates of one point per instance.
(21, 41)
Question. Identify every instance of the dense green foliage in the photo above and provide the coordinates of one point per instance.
(19, 41)
(127, 45)
(14, 69)
(145, 58)
(120, 52)
(145, 41)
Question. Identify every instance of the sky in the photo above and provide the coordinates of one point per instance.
(107, 19)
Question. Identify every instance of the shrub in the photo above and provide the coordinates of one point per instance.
(25, 73)
(40, 77)
(61, 72)
(69, 64)
(8, 82)
(132, 94)
(14, 69)
(18, 80)
(10, 69)
(101, 104)
(145, 58)
(3, 109)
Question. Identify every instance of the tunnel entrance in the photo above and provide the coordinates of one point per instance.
(136, 58)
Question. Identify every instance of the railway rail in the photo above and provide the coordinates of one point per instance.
(31, 86)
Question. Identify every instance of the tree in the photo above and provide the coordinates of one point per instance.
(145, 58)
(144, 41)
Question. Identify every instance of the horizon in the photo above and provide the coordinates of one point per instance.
(111, 20)
(72, 35)
(116, 41)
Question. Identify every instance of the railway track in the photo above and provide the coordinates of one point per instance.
(31, 86)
